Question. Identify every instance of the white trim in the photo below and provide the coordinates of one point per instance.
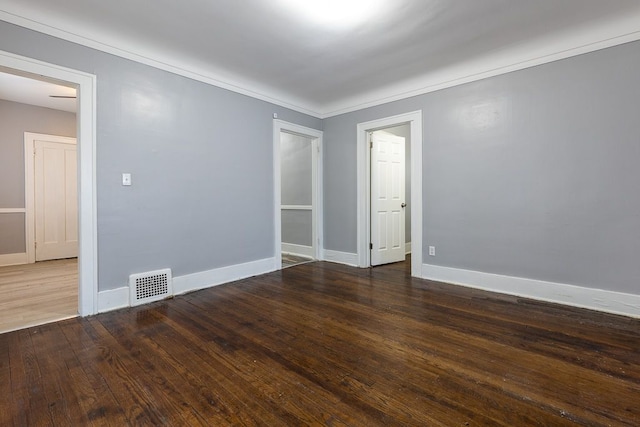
(86, 135)
(317, 216)
(166, 63)
(364, 184)
(301, 250)
(12, 210)
(113, 299)
(13, 259)
(135, 299)
(407, 248)
(576, 296)
(296, 207)
(30, 139)
(541, 51)
(218, 276)
(346, 258)
(520, 57)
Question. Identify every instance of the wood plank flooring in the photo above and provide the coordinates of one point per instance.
(325, 344)
(34, 294)
(289, 260)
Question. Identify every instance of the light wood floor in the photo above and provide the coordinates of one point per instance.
(331, 345)
(289, 260)
(34, 294)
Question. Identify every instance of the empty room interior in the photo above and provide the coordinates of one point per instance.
(283, 212)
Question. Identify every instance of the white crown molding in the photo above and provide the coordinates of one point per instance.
(559, 293)
(518, 58)
(156, 60)
(545, 50)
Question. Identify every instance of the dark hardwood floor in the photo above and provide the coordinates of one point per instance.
(325, 344)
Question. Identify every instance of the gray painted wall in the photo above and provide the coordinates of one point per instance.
(296, 188)
(296, 158)
(531, 174)
(200, 159)
(297, 227)
(12, 233)
(405, 132)
(15, 120)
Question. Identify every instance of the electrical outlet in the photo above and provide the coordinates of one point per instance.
(432, 251)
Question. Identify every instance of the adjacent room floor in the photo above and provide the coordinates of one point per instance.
(34, 294)
(289, 260)
(326, 344)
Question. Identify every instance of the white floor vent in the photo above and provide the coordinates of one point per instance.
(150, 286)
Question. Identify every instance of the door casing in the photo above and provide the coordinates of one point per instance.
(414, 119)
(86, 134)
(280, 126)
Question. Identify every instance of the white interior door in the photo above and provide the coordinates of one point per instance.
(56, 200)
(387, 198)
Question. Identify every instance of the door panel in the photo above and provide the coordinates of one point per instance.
(56, 201)
(387, 198)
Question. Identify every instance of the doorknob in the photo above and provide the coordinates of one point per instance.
(403, 205)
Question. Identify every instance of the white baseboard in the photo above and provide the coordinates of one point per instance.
(407, 248)
(119, 298)
(218, 276)
(290, 248)
(113, 299)
(340, 257)
(13, 259)
(577, 296)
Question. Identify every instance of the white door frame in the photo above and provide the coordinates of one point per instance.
(316, 167)
(86, 136)
(364, 186)
(30, 139)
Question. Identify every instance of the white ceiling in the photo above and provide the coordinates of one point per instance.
(268, 50)
(35, 92)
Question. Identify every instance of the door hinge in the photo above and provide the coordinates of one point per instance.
(370, 144)
(371, 246)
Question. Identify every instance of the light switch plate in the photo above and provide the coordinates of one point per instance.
(126, 179)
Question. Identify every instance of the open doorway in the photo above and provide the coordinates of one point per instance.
(413, 122)
(38, 202)
(390, 192)
(298, 195)
(85, 84)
